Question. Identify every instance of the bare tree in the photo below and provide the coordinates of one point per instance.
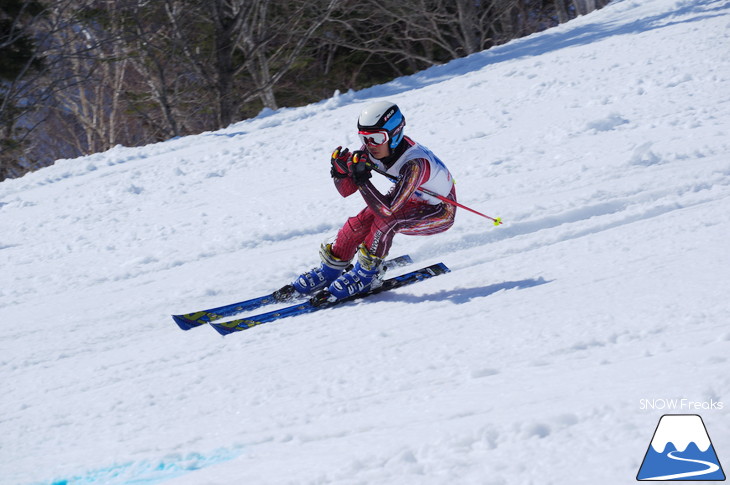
(73, 104)
(272, 44)
(229, 17)
(253, 45)
(561, 9)
(170, 84)
(93, 71)
(22, 67)
(420, 33)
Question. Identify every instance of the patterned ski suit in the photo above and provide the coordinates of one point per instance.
(403, 209)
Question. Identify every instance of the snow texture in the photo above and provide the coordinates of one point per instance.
(604, 145)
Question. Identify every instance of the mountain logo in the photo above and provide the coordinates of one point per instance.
(681, 450)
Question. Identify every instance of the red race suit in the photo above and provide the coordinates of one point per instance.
(404, 209)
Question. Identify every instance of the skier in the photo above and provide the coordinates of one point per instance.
(403, 210)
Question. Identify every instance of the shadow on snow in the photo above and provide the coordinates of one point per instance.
(465, 295)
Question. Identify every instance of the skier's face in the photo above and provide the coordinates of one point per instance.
(379, 151)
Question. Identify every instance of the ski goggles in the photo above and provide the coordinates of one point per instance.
(374, 138)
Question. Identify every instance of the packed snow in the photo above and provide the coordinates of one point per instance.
(546, 356)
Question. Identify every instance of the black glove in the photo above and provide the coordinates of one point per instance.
(359, 167)
(339, 161)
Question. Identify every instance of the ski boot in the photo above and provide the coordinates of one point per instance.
(318, 278)
(365, 276)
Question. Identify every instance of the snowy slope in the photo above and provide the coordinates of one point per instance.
(604, 145)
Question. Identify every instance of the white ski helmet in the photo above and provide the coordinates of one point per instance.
(383, 116)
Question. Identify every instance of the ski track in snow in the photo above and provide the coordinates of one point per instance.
(604, 144)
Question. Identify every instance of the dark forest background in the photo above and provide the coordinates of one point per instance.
(81, 76)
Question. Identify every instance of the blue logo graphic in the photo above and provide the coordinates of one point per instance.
(681, 450)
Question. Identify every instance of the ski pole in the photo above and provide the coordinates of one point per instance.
(497, 220)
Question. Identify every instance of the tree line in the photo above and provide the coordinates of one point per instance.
(81, 76)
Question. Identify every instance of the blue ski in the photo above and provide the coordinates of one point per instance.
(225, 328)
(191, 320)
